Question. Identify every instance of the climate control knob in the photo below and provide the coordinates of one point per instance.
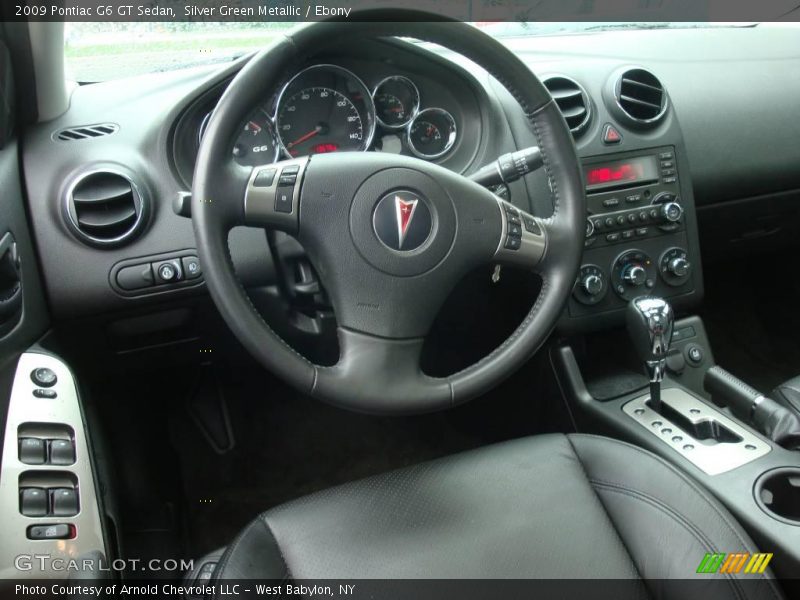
(674, 266)
(634, 275)
(679, 267)
(591, 285)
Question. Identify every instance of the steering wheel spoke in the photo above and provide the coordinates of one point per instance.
(272, 196)
(523, 237)
(383, 373)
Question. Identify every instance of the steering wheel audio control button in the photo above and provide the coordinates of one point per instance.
(283, 199)
(44, 377)
(513, 243)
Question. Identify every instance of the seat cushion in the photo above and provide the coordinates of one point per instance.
(554, 506)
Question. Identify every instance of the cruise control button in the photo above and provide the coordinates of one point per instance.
(264, 178)
(191, 266)
(44, 377)
(291, 169)
(64, 502)
(283, 199)
(287, 180)
(32, 451)
(33, 502)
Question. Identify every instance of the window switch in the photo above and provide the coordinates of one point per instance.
(62, 452)
(33, 502)
(64, 502)
(32, 451)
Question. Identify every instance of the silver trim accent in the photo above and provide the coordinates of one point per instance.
(371, 113)
(450, 142)
(754, 405)
(417, 104)
(65, 409)
(259, 202)
(75, 227)
(711, 459)
(581, 128)
(618, 85)
(532, 247)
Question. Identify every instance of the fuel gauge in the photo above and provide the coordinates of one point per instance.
(432, 133)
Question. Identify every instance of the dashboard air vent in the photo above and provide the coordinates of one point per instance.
(105, 208)
(641, 96)
(71, 134)
(572, 101)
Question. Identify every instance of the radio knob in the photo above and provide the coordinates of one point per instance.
(679, 267)
(634, 275)
(592, 284)
(589, 228)
(672, 211)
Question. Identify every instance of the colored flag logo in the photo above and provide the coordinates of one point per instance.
(737, 562)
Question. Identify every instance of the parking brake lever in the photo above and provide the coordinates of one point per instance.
(509, 167)
(778, 423)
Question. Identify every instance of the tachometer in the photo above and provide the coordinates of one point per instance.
(256, 144)
(324, 109)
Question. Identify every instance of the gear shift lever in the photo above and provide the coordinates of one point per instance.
(650, 323)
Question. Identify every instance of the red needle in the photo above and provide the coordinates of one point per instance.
(303, 138)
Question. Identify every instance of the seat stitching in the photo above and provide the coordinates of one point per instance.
(287, 574)
(223, 563)
(674, 515)
(619, 537)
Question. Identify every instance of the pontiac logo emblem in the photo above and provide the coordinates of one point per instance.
(405, 212)
(402, 221)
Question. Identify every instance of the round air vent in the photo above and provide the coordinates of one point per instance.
(572, 100)
(640, 96)
(105, 208)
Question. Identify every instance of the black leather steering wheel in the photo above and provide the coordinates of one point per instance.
(341, 209)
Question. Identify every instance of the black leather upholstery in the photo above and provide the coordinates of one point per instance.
(550, 506)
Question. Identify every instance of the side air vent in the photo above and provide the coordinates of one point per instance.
(641, 96)
(71, 134)
(105, 208)
(572, 100)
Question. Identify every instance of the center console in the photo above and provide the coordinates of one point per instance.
(640, 236)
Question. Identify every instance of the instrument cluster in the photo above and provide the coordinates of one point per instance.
(327, 108)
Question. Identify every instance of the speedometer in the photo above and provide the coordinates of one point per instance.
(325, 108)
(319, 119)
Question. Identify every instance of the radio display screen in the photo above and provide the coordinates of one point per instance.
(621, 173)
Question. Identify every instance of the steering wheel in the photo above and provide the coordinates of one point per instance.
(389, 235)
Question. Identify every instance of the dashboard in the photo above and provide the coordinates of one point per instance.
(669, 125)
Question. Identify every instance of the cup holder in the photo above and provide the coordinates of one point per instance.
(778, 494)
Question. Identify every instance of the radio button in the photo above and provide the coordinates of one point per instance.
(627, 234)
(667, 164)
(631, 217)
(621, 220)
(641, 231)
(665, 156)
(633, 198)
(643, 216)
(671, 179)
(612, 237)
(611, 202)
(609, 222)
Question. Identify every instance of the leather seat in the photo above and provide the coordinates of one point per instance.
(553, 506)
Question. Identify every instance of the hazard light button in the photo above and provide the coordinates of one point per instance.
(611, 135)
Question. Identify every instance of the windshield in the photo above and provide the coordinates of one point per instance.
(101, 51)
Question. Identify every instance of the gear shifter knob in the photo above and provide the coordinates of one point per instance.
(650, 322)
